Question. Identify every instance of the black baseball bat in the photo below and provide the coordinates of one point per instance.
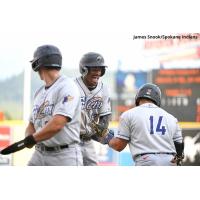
(13, 148)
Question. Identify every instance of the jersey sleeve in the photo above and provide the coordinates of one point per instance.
(123, 128)
(67, 101)
(106, 104)
(178, 133)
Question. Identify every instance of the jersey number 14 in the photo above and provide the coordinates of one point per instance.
(159, 127)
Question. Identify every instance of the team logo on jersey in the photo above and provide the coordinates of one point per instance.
(43, 110)
(67, 98)
(94, 103)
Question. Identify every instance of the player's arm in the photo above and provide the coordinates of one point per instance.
(178, 140)
(29, 129)
(56, 123)
(123, 136)
(105, 118)
(64, 111)
(115, 143)
(179, 145)
(52, 127)
(118, 144)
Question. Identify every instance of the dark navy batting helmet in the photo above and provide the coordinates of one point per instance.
(48, 56)
(90, 60)
(149, 91)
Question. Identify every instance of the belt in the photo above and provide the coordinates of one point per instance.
(142, 154)
(55, 148)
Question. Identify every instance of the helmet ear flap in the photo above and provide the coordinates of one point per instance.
(35, 65)
(84, 71)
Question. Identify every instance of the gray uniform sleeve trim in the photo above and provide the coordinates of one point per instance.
(64, 114)
(178, 139)
(122, 137)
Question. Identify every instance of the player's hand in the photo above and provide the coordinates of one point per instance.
(106, 139)
(29, 141)
(178, 160)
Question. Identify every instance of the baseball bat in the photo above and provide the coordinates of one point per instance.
(13, 148)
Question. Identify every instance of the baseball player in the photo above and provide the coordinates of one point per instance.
(55, 119)
(95, 102)
(153, 135)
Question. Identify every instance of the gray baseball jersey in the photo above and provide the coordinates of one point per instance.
(149, 128)
(62, 98)
(94, 104)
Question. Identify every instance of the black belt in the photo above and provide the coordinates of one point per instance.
(55, 148)
(142, 154)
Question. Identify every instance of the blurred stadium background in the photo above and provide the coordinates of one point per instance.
(174, 65)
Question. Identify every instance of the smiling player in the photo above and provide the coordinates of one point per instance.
(95, 101)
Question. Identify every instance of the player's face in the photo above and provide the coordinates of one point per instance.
(41, 73)
(92, 77)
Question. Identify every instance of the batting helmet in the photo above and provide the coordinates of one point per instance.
(90, 60)
(46, 56)
(149, 91)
